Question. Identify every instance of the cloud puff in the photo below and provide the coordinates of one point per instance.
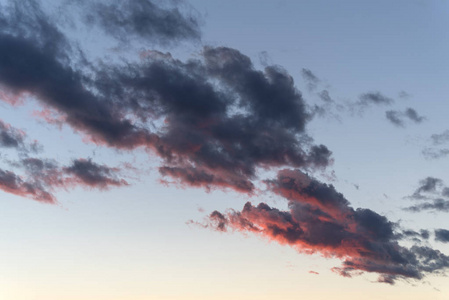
(42, 177)
(320, 220)
(374, 98)
(433, 192)
(397, 118)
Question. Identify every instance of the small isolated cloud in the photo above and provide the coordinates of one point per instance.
(398, 118)
(404, 95)
(434, 195)
(85, 172)
(438, 141)
(413, 115)
(374, 98)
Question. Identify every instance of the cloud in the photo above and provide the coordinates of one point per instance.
(324, 95)
(40, 178)
(441, 138)
(14, 138)
(413, 115)
(223, 119)
(435, 194)
(439, 204)
(143, 19)
(397, 117)
(311, 79)
(320, 220)
(414, 235)
(437, 140)
(394, 117)
(428, 185)
(214, 121)
(442, 235)
(431, 153)
(374, 98)
(404, 95)
(14, 184)
(93, 175)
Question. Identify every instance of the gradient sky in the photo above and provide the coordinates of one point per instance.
(224, 149)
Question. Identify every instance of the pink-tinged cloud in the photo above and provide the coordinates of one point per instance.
(42, 178)
(320, 220)
(14, 184)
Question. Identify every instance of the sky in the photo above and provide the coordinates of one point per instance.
(201, 149)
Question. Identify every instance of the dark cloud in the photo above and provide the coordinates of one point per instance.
(11, 137)
(311, 79)
(93, 175)
(398, 118)
(14, 184)
(414, 235)
(36, 62)
(440, 205)
(143, 19)
(374, 98)
(218, 119)
(429, 185)
(320, 220)
(442, 235)
(433, 193)
(223, 119)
